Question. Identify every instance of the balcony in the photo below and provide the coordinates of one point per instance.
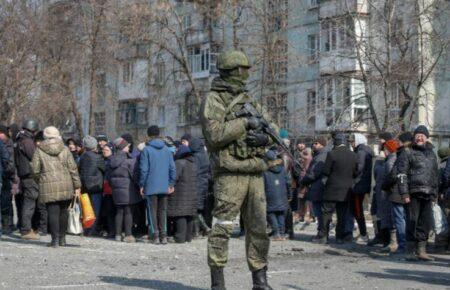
(334, 8)
(194, 37)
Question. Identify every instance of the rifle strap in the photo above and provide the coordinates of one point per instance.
(233, 103)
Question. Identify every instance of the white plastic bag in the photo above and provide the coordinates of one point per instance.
(440, 220)
(74, 226)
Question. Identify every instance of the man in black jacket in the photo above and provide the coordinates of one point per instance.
(340, 168)
(418, 173)
(23, 154)
(315, 180)
(8, 178)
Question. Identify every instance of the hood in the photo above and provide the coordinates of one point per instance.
(157, 144)
(183, 152)
(360, 139)
(197, 145)
(52, 146)
(118, 159)
(276, 168)
(366, 149)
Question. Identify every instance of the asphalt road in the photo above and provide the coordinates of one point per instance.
(94, 263)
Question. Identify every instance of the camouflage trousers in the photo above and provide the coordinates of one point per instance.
(443, 240)
(236, 193)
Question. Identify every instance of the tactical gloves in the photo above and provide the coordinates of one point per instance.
(255, 123)
(255, 139)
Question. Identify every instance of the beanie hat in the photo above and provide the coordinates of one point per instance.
(51, 133)
(102, 138)
(271, 155)
(89, 142)
(444, 152)
(386, 136)
(283, 134)
(120, 143)
(391, 145)
(405, 137)
(128, 137)
(339, 139)
(186, 137)
(321, 140)
(153, 131)
(422, 130)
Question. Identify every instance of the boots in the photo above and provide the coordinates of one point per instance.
(392, 246)
(422, 252)
(217, 279)
(62, 241)
(260, 280)
(55, 242)
(410, 251)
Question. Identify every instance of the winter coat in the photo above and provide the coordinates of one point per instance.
(384, 206)
(445, 177)
(204, 177)
(92, 169)
(314, 177)
(157, 168)
(23, 154)
(122, 178)
(419, 165)
(390, 181)
(55, 171)
(183, 201)
(340, 168)
(278, 188)
(363, 181)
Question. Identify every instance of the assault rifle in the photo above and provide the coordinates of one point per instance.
(249, 110)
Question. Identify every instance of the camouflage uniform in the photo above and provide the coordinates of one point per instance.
(237, 169)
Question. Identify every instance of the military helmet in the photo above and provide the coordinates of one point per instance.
(232, 59)
(30, 125)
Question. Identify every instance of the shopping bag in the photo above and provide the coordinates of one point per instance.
(440, 220)
(87, 211)
(74, 225)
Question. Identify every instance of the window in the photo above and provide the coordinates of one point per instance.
(127, 71)
(162, 116)
(334, 98)
(186, 22)
(277, 105)
(199, 60)
(277, 14)
(160, 73)
(277, 67)
(337, 34)
(101, 89)
(313, 4)
(313, 47)
(311, 103)
(100, 123)
(132, 114)
(181, 113)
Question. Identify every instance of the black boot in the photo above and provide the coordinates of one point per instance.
(62, 241)
(260, 280)
(217, 279)
(55, 242)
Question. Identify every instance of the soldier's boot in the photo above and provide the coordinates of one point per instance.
(393, 245)
(217, 278)
(422, 252)
(411, 251)
(260, 280)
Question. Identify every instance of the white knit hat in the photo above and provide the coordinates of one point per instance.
(51, 133)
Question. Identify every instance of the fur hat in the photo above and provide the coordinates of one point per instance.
(422, 130)
(51, 133)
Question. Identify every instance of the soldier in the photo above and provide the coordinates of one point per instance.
(237, 146)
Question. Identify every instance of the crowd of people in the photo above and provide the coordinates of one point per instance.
(161, 191)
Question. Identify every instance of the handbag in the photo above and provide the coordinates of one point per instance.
(74, 224)
(440, 220)
(87, 211)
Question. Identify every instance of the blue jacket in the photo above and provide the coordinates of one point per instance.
(157, 168)
(277, 187)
